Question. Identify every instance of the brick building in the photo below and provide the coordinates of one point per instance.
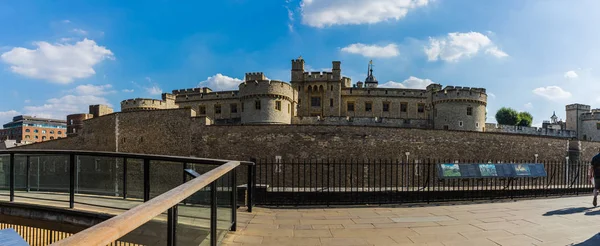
(31, 129)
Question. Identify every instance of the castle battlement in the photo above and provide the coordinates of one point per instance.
(258, 76)
(383, 92)
(207, 96)
(459, 93)
(191, 91)
(577, 106)
(594, 115)
(143, 104)
(266, 87)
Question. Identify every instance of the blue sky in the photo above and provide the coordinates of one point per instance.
(58, 57)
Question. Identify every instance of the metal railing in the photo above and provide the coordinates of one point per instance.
(356, 182)
(217, 178)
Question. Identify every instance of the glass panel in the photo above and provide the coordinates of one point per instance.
(164, 176)
(48, 180)
(135, 179)
(193, 221)
(99, 183)
(224, 202)
(4, 177)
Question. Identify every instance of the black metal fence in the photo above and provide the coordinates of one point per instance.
(29, 174)
(353, 182)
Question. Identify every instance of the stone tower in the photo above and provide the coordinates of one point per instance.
(574, 112)
(297, 69)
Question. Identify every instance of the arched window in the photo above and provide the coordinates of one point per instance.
(43, 138)
(27, 130)
(26, 136)
(43, 131)
(36, 131)
(59, 132)
(51, 132)
(51, 138)
(36, 137)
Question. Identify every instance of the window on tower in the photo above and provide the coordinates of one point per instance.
(403, 107)
(469, 110)
(315, 101)
(368, 106)
(421, 108)
(386, 106)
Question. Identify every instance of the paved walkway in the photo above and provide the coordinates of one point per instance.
(560, 221)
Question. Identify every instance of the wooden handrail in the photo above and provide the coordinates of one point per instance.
(118, 226)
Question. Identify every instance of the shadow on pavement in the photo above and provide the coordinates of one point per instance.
(564, 211)
(597, 212)
(593, 241)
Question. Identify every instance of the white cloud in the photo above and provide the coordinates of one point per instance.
(528, 105)
(94, 90)
(27, 101)
(6, 116)
(390, 50)
(221, 82)
(127, 90)
(154, 90)
(66, 21)
(59, 108)
(410, 83)
(322, 13)
(461, 45)
(60, 63)
(552, 92)
(290, 16)
(571, 75)
(80, 31)
(494, 51)
(491, 95)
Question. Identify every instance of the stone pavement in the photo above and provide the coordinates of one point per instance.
(559, 221)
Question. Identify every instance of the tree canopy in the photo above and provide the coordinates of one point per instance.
(525, 119)
(507, 116)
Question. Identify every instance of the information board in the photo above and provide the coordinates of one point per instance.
(491, 170)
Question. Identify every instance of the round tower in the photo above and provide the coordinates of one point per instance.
(266, 101)
(459, 108)
(142, 104)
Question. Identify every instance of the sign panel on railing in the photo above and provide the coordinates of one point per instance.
(490, 170)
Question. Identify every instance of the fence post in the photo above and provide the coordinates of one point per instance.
(251, 184)
(72, 181)
(234, 199)
(27, 166)
(213, 213)
(125, 178)
(172, 226)
(12, 177)
(146, 180)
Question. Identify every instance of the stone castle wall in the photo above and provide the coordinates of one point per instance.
(175, 132)
(491, 127)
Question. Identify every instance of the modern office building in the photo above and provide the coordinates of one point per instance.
(25, 128)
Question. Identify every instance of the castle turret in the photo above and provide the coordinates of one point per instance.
(371, 81)
(459, 108)
(297, 69)
(266, 102)
(574, 115)
(337, 70)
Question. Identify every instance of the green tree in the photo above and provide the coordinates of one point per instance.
(507, 116)
(525, 119)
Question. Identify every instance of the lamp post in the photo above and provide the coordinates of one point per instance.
(536, 156)
(567, 171)
(407, 154)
